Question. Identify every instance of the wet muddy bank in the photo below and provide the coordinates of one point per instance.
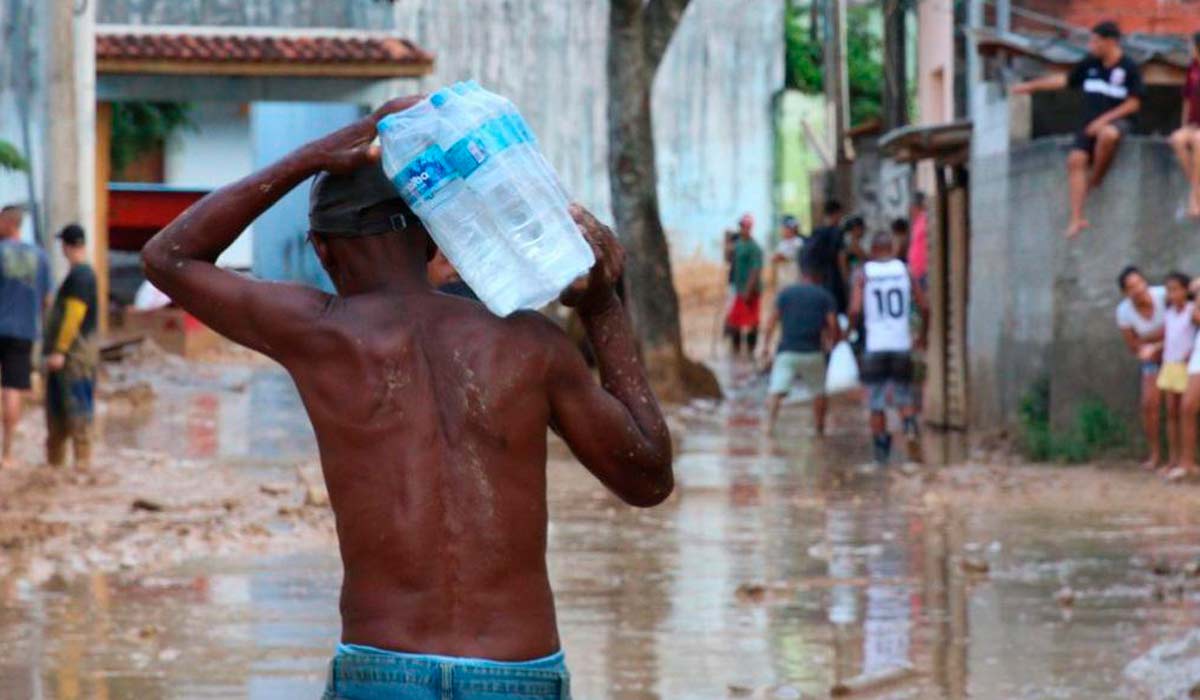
(782, 567)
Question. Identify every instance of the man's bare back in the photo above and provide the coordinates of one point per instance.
(431, 414)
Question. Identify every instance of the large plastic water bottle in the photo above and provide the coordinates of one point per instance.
(535, 246)
(458, 222)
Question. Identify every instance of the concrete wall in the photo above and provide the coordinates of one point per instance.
(363, 14)
(712, 97)
(1040, 306)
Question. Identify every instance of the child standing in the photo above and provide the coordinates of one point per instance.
(1179, 335)
(1190, 408)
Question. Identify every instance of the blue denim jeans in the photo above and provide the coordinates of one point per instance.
(365, 673)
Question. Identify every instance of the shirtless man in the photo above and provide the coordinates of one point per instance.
(431, 418)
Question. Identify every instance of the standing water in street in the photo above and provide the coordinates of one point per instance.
(467, 164)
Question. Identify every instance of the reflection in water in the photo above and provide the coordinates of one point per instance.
(858, 580)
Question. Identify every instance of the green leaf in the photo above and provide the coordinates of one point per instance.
(138, 127)
(11, 159)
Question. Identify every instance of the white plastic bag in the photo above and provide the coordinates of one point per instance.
(842, 373)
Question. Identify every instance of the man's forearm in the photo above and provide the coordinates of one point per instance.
(211, 225)
(1046, 82)
(1121, 111)
(621, 371)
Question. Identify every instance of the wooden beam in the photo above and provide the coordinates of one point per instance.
(100, 225)
(958, 238)
(262, 69)
(934, 396)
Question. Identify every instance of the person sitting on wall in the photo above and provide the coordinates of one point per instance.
(1112, 88)
(1186, 140)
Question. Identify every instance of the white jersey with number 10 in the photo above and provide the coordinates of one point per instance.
(887, 298)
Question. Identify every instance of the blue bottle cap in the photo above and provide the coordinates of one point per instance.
(438, 98)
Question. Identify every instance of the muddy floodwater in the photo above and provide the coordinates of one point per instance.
(782, 568)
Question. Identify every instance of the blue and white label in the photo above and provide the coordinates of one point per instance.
(468, 154)
(473, 150)
(425, 176)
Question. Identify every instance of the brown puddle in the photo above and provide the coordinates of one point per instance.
(780, 569)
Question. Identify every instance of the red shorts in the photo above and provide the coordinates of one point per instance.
(745, 312)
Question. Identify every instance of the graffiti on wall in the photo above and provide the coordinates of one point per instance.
(882, 189)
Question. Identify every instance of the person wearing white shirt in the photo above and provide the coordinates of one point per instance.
(1141, 317)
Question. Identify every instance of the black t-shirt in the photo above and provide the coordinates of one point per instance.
(821, 252)
(79, 284)
(803, 309)
(1105, 88)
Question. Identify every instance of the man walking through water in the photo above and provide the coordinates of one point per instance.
(24, 289)
(72, 356)
(431, 417)
(883, 296)
(808, 315)
(1112, 90)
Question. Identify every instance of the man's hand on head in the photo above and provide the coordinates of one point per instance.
(596, 291)
(350, 147)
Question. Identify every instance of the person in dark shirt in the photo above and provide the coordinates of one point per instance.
(1112, 94)
(901, 231)
(72, 356)
(808, 314)
(824, 253)
(1186, 140)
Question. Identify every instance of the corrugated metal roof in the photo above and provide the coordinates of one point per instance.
(1169, 50)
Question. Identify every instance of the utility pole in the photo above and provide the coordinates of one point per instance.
(70, 94)
(895, 64)
(1004, 15)
(837, 88)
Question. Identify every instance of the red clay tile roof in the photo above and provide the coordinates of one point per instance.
(123, 48)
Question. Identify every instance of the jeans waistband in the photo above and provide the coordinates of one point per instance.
(554, 661)
(361, 671)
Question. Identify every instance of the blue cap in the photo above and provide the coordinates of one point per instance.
(439, 98)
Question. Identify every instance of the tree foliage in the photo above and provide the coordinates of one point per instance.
(138, 127)
(11, 158)
(864, 55)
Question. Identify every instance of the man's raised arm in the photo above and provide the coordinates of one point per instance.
(615, 428)
(1042, 84)
(181, 259)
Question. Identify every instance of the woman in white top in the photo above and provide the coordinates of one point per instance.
(1140, 317)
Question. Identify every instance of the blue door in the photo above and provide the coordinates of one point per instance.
(281, 248)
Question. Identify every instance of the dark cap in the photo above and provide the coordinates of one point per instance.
(1107, 29)
(790, 222)
(339, 205)
(72, 234)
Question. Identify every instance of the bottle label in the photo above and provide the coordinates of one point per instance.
(474, 149)
(521, 128)
(468, 154)
(425, 176)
